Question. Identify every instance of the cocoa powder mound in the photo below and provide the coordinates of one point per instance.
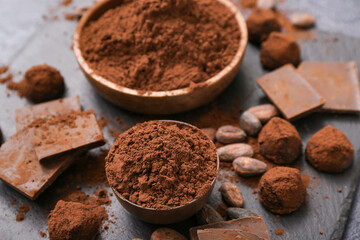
(279, 49)
(281, 190)
(161, 44)
(161, 164)
(73, 220)
(41, 83)
(329, 150)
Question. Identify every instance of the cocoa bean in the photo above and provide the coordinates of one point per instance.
(210, 132)
(302, 20)
(230, 134)
(267, 4)
(248, 167)
(229, 152)
(249, 123)
(264, 112)
(234, 213)
(231, 194)
(166, 234)
(207, 215)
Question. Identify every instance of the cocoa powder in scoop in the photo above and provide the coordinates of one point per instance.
(161, 164)
(161, 44)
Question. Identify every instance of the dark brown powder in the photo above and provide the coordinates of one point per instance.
(161, 44)
(73, 220)
(4, 69)
(22, 210)
(248, 3)
(279, 231)
(65, 2)
(7, 78)
(161, 165)
(42, 234)
(221, 208)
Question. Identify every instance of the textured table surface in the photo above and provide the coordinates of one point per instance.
(22, 27)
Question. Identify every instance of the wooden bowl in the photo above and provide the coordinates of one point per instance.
(171, 215)
(159, 102)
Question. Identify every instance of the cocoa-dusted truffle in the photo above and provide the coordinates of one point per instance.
(261, 23)
(278, 50)
(329, 150)
(280, 141)
(41, 83)
(281, 190)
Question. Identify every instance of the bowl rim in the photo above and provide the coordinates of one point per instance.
(212, 184)
(147, 93)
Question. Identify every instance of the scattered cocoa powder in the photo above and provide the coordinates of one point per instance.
(279, 231)
(100, 198)
(221, 208)
(163, 45)
(281, 190)
(216, 118)
(161, 164)
(22, 210)
(329, 150)
(4, 69)
(306, 180)
(41, 83)
(103, 122)
(7, 78)
(71, 16)
(247, 3)
(65, 2)
(279, 49)
(73, 220)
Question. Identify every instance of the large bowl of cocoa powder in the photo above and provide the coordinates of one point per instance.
(162, 172)
(160, 56)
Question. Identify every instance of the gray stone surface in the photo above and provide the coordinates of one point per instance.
(51, 44)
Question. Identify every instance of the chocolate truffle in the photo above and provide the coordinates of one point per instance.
(281, 190)
(280, 141)
(329, 150)
(261, 23)
(279, 49)
(41, 83)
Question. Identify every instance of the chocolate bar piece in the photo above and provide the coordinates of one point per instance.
(59, 136)
(21, 169)
(225, 234)
(26, 115)
(252, 225)
(337, 82)
(19, 164)
(290, 92)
